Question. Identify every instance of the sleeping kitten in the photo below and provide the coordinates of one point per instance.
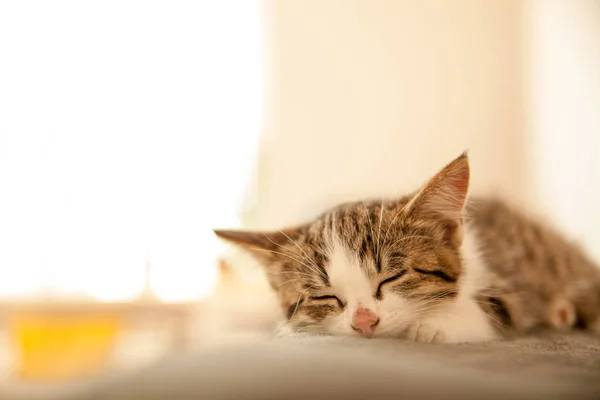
(428, 267)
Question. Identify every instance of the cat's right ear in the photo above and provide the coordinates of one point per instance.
(443, 198)
(444, 195)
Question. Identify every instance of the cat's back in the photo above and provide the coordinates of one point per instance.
(514, 242)
(534, 265)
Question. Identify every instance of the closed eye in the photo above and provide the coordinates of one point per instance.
(328, 298)
(388, 280)
(437, 273)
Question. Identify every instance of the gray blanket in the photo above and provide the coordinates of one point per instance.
(555, 367)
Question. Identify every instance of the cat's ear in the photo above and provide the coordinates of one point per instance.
(260, 243)
(444, 196)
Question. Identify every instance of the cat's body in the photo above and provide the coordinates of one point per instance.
(540, 278)
(428, 267)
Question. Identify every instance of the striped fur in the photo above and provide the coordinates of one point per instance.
(433, 266)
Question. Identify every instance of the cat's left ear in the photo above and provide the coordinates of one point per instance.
(262, 245)
(444, 196)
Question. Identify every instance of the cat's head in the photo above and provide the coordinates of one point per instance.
(368, 268)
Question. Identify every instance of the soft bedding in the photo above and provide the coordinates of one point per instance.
(553, 367)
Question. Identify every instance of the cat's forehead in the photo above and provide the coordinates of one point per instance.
(372, 211)
(364, 219)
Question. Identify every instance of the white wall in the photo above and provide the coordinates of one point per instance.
(369, 98)
(564, 96)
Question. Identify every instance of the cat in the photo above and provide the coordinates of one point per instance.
(432, 266)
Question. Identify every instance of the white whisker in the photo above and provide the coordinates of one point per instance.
(411, 237)
(298, 302)
(379, 234)
(279, 245)
(288, 281)
(387, 231)
(300, 248)
(310, 267)
(291, 272)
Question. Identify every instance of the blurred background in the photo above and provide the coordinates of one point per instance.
(130, 129)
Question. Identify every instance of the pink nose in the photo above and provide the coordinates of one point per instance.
(364, 321)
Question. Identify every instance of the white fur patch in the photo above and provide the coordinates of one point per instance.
(350, 283)
(462, 320)
(459, 320)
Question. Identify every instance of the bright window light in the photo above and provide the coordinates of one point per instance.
(127, 131)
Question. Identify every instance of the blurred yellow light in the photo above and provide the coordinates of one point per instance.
(62, 347)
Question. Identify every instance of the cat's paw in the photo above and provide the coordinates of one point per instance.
(285, 331)
(426, 333)
(311, 337)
